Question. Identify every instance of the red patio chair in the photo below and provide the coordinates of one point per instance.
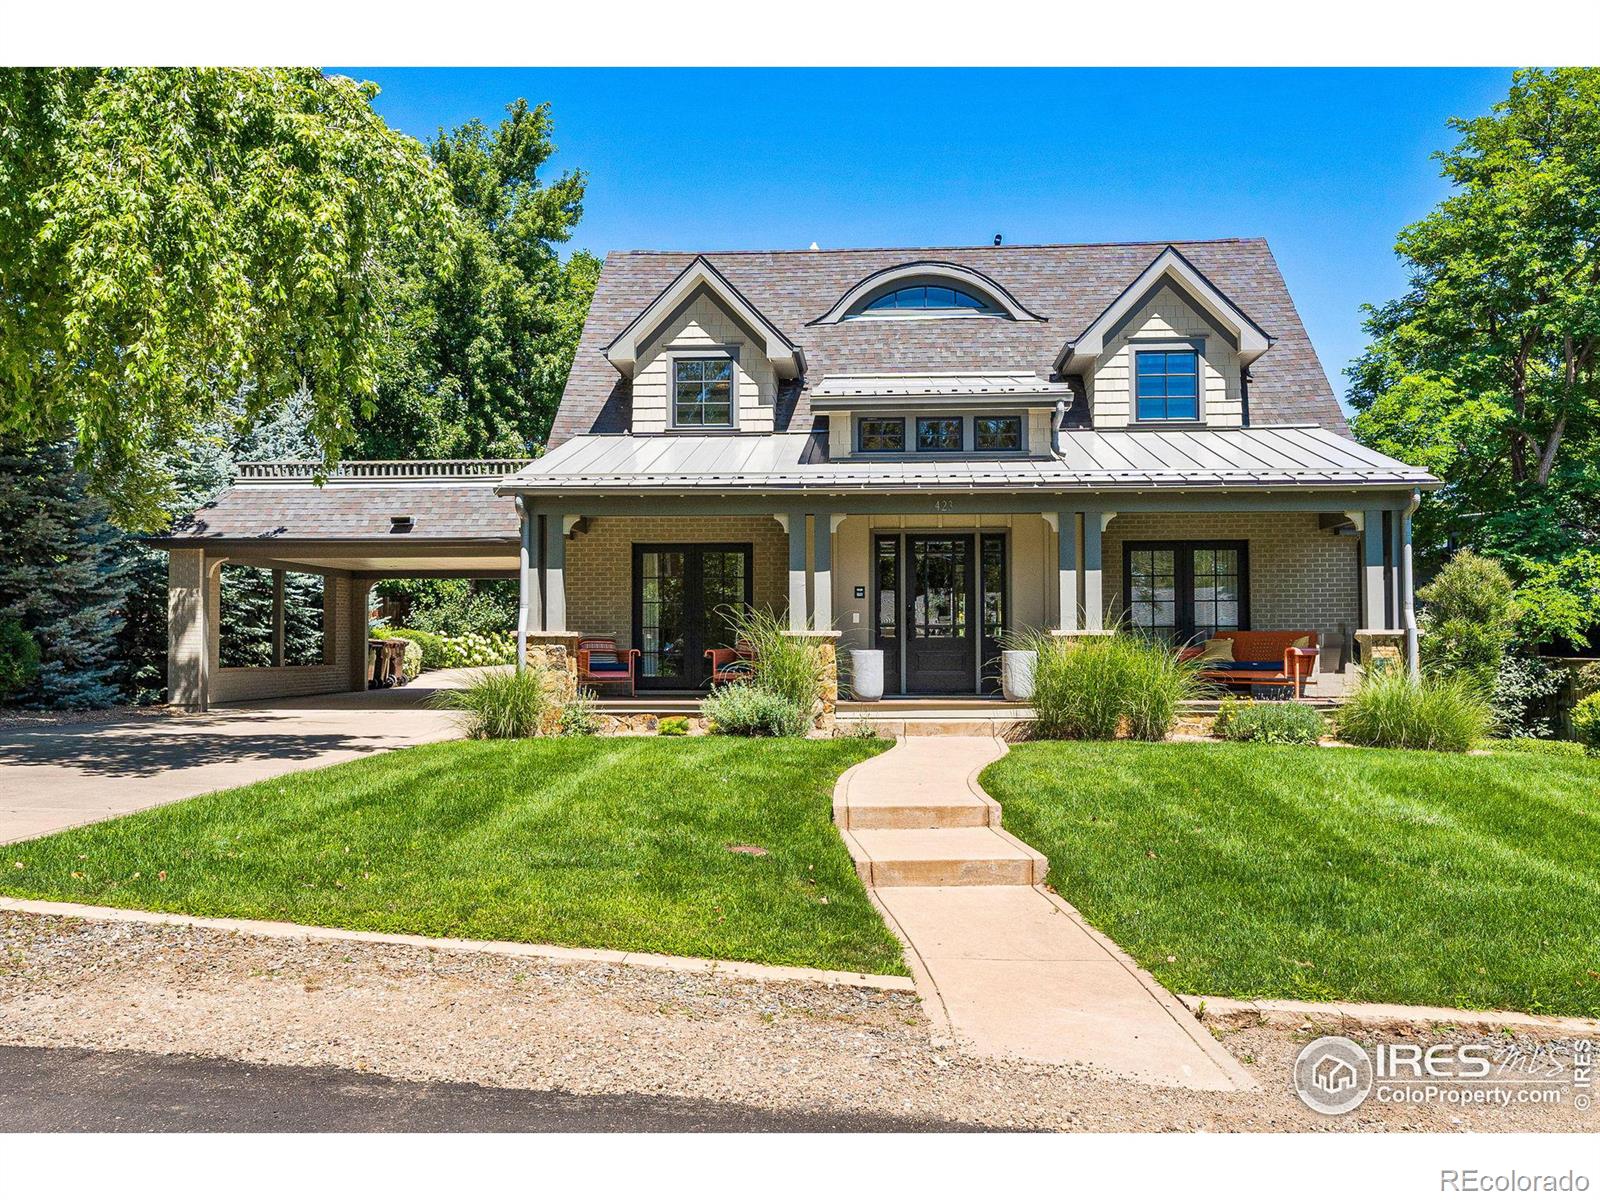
(732, 664)
(600, 663)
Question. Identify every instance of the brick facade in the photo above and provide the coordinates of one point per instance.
(599, 568)
(1301, 576)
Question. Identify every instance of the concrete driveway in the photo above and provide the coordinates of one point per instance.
(53, 777)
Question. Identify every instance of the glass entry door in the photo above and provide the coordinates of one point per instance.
(684, 598)
(1185, 591)
(941, 614)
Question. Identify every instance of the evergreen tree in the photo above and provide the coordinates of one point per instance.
(63, 576)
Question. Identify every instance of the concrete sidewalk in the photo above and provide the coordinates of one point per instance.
(1012, 968)
(53, 777)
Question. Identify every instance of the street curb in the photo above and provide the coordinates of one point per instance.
(1385, 1014)
(571, 954)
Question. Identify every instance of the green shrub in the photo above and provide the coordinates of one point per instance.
(750, 710)
(1523, 692)
(672, 726)
(1389, 708)
(411, 660)
(19, 658)
(458, 606)
(580, 716)
(1468, 619)
(502, 704)
(784, 665)
(1586, 722)
(1547, 746)
(1279, 723)
(1093, 687)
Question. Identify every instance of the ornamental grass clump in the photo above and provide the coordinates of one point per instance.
(784, 686)
(1281, 723)
(503, 704)
(1100, 687)
(1391, 709)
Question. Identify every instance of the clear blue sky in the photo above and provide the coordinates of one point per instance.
(1327, 165)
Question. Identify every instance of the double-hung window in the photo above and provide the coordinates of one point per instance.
(702, 393)
(1167, 385)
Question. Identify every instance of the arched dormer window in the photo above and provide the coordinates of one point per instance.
(924, 298)
(926, 289)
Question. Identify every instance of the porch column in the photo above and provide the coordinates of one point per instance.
(188, 634)
(1066, 524)
(1094, 602)
(555, 569)
(822, 571)
(1373, 615)
(794, 523)
(1405, 589)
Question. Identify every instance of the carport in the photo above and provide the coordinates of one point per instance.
(353, 526)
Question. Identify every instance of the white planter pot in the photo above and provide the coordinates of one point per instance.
(1016, 674)
(866, 674)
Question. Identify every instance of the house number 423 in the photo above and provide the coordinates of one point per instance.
(944, 506)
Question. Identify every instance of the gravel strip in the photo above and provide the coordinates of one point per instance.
(487, 1019)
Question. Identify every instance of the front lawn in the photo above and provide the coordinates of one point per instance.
(1316, 874)
(608, 842)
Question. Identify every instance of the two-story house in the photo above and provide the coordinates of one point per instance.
(919, 451)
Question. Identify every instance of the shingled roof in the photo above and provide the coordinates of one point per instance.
(1069, 286)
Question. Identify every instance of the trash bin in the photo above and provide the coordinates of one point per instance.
(386, 659)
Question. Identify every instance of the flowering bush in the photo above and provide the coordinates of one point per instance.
(479, 649)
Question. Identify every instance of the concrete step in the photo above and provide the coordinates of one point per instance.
(944, 858)
(955, 812)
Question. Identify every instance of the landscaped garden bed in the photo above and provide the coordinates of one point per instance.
(1302, 873)
(623, 843)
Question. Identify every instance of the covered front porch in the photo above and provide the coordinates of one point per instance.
(939, 581)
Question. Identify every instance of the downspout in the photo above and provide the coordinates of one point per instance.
(1408, 612)
(1055, 428)
(523, 557)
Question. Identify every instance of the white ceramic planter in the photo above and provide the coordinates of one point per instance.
(866, 674)
(1016, 674)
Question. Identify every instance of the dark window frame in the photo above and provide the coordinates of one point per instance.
(972, 302)
(1022, 433)
(1197, 352)
(1183, 579)
(694, 631)
(860, 436)
(961, 433)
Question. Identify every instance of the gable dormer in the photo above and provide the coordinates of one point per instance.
(703, 359)
(1170, 351)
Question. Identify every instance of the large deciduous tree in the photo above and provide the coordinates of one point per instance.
(482, 340)
(170, 236)
(1484, 371)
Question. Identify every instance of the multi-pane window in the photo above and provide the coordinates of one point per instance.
(939, 433)
(702, 392)
(1180, 591)
(925, 297)
(997, 433)
(1167, 385)
(881, 434)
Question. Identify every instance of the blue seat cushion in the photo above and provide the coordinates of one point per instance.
(620, 668)
(1241, 665)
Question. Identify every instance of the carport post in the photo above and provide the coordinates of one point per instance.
(358, 629)
(188, 638)
(524, 573)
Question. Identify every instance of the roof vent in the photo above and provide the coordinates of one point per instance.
(401, 524)
(997, 239)
(814, 246)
